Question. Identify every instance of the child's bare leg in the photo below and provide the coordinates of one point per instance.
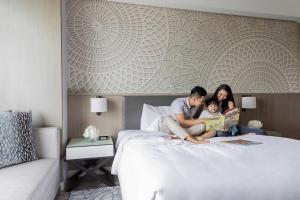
(207, 135)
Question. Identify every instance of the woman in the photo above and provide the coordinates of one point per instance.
(225, 97)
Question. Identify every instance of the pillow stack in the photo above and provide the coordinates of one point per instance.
(152, 116)
(16, 139)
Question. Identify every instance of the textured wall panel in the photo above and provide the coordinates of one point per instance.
(122, 48)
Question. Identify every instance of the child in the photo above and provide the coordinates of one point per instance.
(211, 111)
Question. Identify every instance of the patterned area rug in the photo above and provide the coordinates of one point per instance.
(103, 193)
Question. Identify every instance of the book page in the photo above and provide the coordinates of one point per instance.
(242, 142)
(214, 124)
(232, 117)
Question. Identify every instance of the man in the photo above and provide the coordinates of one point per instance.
(184, 121)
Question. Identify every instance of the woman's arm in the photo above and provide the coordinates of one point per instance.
(231, 105)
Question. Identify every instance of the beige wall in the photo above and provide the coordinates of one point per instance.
(110, 123)
(30, 59)
(299, 56)
(270, 111)
(278, 112)
(142, 49)
(79, 116)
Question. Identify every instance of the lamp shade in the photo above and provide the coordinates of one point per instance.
(98, 105)
(249, 102)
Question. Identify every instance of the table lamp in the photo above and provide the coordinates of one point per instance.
(98, 105)
(248, 102)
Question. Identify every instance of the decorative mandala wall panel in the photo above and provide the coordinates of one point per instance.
(115, 48)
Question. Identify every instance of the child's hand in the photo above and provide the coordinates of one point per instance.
(224, 129)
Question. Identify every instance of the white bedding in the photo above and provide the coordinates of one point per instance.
(152, 167)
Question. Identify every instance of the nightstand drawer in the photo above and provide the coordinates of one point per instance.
(89, 152)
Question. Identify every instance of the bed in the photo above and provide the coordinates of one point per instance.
(151, 166)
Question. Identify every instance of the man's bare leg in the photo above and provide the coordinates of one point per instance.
(196, 140)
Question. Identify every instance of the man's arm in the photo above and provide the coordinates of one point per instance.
(187, 123)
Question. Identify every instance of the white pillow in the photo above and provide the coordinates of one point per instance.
(152, 115)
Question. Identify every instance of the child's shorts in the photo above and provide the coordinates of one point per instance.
(232, 131)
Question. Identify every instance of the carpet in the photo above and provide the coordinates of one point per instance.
(102, 193)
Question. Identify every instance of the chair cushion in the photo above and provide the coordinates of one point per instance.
(16, 140)
(31, 180)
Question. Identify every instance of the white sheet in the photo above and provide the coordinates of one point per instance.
(152, 167)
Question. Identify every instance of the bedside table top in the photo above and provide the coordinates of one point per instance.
(83, 142)
(82, 148)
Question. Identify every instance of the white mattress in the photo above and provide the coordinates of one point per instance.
(152, 167)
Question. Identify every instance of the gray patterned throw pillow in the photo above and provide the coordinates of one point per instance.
(16, 139)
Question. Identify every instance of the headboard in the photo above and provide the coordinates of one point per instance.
(133, 106)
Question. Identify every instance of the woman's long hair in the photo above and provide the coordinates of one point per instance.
(224, 103)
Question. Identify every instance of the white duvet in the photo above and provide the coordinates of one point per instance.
(152, 167)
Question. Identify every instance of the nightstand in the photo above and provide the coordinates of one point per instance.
(90, 157)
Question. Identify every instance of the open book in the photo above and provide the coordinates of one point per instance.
(242, 142)
(230, 118)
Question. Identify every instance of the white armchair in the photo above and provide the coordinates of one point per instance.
(47, 142)
(35, 180)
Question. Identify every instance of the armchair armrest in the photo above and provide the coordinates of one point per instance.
(47, 142)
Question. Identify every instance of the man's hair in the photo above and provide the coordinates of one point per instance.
(198, 92)
(211, 100)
